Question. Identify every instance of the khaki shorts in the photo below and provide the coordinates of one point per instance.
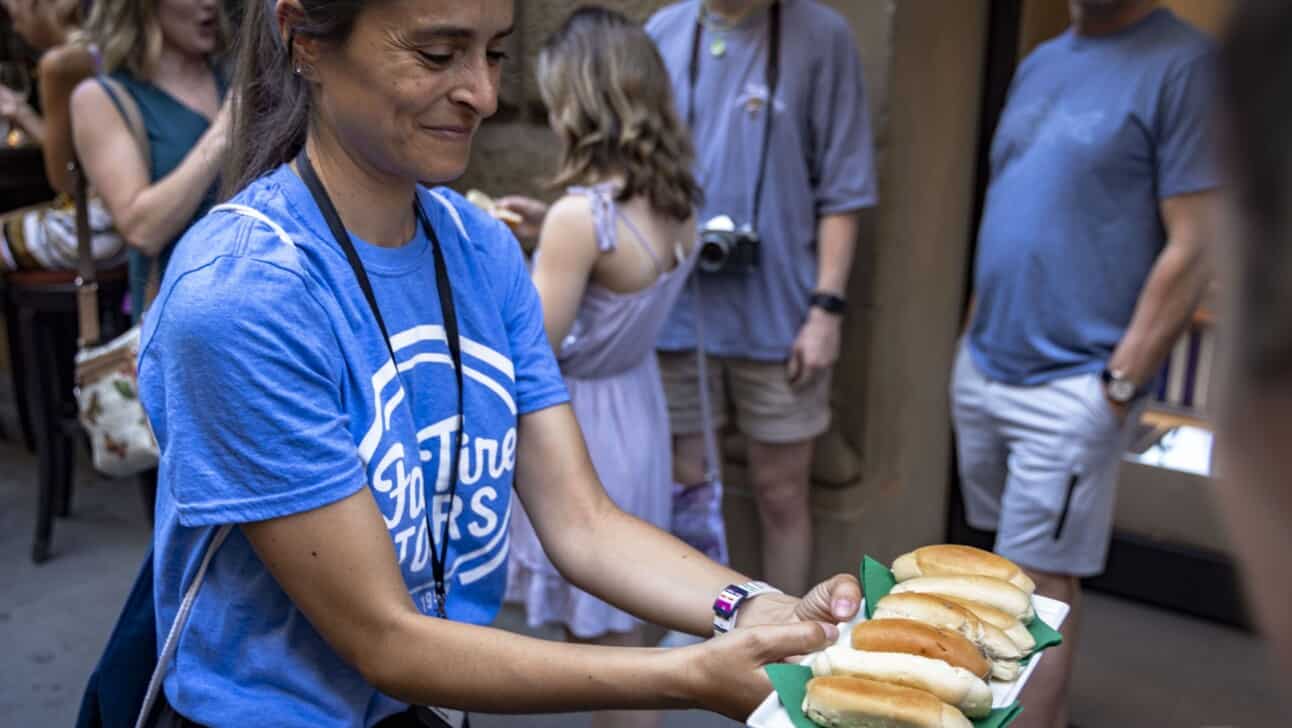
(767, 409)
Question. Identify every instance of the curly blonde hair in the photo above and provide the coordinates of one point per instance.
(611, 103)
(128, 34)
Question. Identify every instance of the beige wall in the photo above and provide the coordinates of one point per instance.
(883, 473)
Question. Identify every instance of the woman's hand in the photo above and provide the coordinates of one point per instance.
(220, 131)
(725, 674)
(10, 102)
(834, 600)
(532, 213)
(14, 108)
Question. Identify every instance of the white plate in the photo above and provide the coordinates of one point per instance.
(771, 714)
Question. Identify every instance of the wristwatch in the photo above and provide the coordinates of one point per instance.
(829, 302)
(729, 601)
(1119, 387)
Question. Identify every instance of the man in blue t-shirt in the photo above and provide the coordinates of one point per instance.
(1091, 262)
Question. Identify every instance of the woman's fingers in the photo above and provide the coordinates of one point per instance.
(729, 669)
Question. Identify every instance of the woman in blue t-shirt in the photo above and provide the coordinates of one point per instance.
(350, 368)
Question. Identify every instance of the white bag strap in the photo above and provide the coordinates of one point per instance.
(181, 618)
(712, 464)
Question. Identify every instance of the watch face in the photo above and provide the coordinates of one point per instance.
(1121, 390)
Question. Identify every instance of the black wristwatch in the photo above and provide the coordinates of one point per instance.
(1119, 387)
(829, 303)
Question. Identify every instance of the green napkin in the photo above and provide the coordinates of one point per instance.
(877, 581)
(1045, 635)
(791, 682)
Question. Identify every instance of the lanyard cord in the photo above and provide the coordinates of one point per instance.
(445, 290)
(773, 81)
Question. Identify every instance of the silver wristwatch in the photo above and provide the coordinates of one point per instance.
(1119, 387)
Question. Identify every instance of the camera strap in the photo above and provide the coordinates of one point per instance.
(445, 290)
(773, 82)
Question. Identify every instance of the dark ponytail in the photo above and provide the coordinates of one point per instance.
(271, 104)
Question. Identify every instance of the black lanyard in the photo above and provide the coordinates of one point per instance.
(773, 81)
(445, 290)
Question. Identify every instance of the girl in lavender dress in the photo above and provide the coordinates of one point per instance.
(613, 254)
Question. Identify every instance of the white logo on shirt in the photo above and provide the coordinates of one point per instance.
(754, 98)
(398, 477)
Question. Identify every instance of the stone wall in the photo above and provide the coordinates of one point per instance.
(515, 150)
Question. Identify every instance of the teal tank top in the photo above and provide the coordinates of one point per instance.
(173, 129)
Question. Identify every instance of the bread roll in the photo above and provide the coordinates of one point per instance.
(1001, 651)
(953, 560)
(982, 589)
(953, 685)
(918, 638)
(849, 702)
(1001, 620)
(489, 205)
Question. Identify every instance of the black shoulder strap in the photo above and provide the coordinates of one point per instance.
(773, 77)
(445, 290)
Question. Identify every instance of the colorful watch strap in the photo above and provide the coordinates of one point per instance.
(729, 601)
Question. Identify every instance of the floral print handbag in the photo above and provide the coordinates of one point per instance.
(107, 396)
(107, 387)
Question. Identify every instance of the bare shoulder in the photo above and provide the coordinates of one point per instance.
(89, 98)
(569, 226)
(94, 113)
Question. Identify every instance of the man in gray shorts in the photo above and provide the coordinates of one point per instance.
(1091, 261)
(772, 326)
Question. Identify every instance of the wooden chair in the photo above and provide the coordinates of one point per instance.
(44, 305)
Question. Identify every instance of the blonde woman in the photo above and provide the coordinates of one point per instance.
(152, 135)
(613, 255)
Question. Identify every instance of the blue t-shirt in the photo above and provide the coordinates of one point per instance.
(1097, 132)
(820, 162)
(271, 393)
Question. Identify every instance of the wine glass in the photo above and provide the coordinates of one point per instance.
(14, 76)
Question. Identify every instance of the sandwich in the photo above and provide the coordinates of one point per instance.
(509, 217)
(954, 560)
(993, 617)
(981, 589)
(847, 702)
(1001, 650)
(917, 638)
(914, 655)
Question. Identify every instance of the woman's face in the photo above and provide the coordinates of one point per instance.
(190, 26)
(407, 90)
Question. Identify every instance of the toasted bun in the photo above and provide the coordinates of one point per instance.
(918, 638)
(952, 685)
(953, 560)
(847, 702)
(1001, 620)
(1006, 670)
(490, 205)
(481, 200)
(981, 589)
(1000, 650)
